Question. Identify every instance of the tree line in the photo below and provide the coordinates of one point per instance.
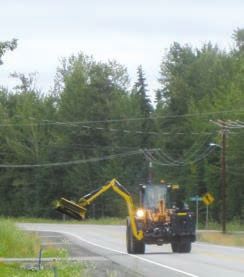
(91, 127)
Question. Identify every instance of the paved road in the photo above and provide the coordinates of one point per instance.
(108, 242)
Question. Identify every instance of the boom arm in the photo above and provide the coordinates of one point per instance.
(78, 211)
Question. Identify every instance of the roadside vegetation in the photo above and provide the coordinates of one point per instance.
(67, 220)
(213, 234)
(16, 243)
(63, 268)
(232, 226)
(228, 239)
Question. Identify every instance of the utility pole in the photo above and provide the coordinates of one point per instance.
(222, 124)
(150, 170)
(223, 166)
(149, 155)
(225, 126)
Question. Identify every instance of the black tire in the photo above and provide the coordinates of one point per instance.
(134, 246)
(182, 246)
(128, 239)
(185, 247)
(174, 247)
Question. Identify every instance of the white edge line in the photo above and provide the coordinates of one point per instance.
(121, 252)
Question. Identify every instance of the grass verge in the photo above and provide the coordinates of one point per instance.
(67, 220)
(63, 268)
(15, 243)
(221, 239)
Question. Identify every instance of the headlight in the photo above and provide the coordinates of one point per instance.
(140, 213)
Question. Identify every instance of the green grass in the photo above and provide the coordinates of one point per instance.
(102, 221)
(233, 226)
(221, 239)
(34, 220)
(234, 235)
(62, 269)
(16, 243)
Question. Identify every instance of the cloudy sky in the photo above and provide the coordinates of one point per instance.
(133, 32)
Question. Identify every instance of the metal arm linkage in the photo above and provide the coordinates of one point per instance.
(78, 210)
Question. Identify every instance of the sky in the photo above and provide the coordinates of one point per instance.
(132, 32)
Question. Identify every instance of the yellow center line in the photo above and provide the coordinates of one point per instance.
(221, 256)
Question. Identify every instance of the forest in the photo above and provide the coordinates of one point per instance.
(92, 127)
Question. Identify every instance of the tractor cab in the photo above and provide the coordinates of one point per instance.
(151, 195)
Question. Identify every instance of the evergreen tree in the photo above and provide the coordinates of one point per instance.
(238, 36)
(146, 109)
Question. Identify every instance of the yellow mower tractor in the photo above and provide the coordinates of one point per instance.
(156, 221)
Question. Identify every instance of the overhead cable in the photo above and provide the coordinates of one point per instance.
(97, 159)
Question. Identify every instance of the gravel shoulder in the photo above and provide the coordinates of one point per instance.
(96, 264)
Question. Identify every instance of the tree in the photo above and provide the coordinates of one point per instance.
(238, 36)
(26, 142)
(199, 85)
(176, 91)
(6, 46)
(95, 97)
(144, 103)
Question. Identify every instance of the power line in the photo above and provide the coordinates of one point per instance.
(136, 132)
(77, 124)
(235, 173)
(109, 157)
(48, 122)
(167, 160)
(237, 124)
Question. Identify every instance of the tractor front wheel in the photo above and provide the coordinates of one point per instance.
(134, 246)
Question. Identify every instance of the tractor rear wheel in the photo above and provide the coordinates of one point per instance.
(183, 245)
(174, 247)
